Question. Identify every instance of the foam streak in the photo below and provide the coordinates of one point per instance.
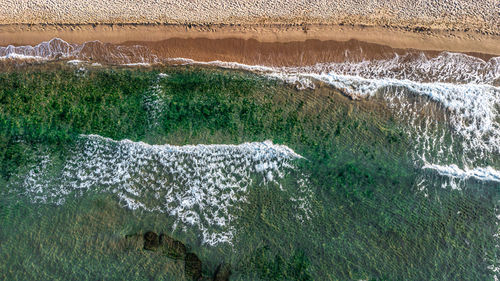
(453, 171)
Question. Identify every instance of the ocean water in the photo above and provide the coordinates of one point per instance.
(382, 169)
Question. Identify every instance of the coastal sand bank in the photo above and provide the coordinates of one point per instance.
(270, 44)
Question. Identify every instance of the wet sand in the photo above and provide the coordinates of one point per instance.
(297, 53)
(271, 32)
(269, 45)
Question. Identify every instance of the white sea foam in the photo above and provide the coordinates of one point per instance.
(154, 101)
(467, 87)
(45, 50)
(418, 67)
(75, 62)
(446, 67)
(57, 48)
(199, 185)
(453, 171)
(463, 85)
(137, 64)
(19, 57)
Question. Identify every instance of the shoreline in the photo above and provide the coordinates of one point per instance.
(429, 40)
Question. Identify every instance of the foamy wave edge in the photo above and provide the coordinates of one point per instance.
(453, 171)
(198, 185)
(445, 67)
(267, 144)
(56, 48)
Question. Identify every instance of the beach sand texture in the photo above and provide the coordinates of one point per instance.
(478, 15)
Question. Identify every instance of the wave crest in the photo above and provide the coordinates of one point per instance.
(453, 171)
(199, 185)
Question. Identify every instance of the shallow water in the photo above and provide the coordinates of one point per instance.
(378, 169)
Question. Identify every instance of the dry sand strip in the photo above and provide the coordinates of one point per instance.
(478, 15)
(438, 40)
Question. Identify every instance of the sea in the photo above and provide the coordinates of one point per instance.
(358, 168)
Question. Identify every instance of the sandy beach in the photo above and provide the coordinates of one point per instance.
(479, 15)
(182, 28)
(261, 44)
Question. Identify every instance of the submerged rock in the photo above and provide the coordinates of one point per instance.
(172, 248)
(222, 272)
(175, 249)
(151, 241)
(192, 267)
(132, 241)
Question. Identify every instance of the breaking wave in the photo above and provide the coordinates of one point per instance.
(465, 88)
(418, 67)
(199, 185)
(453, 171)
